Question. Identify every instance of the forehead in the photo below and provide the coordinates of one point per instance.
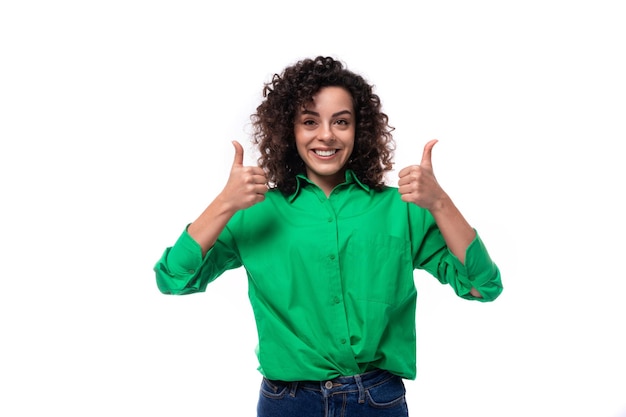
(330, 97)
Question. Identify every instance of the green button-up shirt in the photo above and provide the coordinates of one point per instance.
(331, 279)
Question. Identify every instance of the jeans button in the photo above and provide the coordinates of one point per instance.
(328, 385)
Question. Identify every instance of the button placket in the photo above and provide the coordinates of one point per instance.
(336, 293)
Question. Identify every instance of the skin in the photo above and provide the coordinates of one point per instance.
(324, 131)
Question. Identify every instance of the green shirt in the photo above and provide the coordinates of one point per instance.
(331, 279)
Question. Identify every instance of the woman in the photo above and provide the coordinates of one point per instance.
(328, 248)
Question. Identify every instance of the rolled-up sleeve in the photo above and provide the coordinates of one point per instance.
(182, 269)
(431, 253)
(478, 272)
(179, 266)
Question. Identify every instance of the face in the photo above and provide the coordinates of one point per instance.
(324, 130)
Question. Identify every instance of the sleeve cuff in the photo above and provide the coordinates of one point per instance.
(185, 256)
(479, 271)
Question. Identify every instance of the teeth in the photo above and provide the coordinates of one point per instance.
(325, 153)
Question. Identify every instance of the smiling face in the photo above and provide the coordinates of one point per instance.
(324, 130)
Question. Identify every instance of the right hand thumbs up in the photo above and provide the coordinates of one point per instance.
(246, 185)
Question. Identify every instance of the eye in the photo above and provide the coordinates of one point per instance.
(308, 122)
(342, 122)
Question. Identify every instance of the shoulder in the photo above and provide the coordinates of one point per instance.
(391, 198)
(273, 200)
(387, 193)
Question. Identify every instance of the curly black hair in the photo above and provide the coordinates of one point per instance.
(273, 123)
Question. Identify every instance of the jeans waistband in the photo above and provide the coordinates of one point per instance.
(366, 379)
(378, 389)
(356, 383)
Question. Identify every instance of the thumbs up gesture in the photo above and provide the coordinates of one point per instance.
(246, 185)
(418, 184)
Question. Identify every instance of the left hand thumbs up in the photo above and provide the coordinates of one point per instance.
(418, 184)
(427, 155)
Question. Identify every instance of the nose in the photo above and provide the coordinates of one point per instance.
(326, 133)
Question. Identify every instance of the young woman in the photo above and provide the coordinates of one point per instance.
(328, 248)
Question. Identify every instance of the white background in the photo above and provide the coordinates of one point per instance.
(116, 119)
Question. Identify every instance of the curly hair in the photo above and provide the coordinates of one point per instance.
(273, 123)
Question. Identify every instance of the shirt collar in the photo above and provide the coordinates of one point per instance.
(302, 181)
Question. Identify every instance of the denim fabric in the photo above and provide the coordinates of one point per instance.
(372, 394)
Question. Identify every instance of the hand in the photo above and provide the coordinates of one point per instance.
(246, 185)
(418, 184)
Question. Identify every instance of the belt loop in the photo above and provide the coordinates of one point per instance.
(359, 384)
(294, 387)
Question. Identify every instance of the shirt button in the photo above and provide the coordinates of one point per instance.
(330, 220)
(328, 384)
(336, 300)
(343, 341)
(192, 271)
(331, 257)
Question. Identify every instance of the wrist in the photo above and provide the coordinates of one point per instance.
(441, 205)
(223, 206)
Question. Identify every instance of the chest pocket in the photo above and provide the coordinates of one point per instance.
(378, 268)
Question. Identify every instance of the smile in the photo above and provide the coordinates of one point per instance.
(330, 152)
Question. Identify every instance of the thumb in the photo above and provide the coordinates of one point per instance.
(427, 155)
(238, 153)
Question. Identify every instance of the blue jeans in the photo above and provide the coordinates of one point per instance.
(372, 394)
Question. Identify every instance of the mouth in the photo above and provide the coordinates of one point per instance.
(325, 153)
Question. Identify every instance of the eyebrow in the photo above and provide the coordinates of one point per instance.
(314, 113)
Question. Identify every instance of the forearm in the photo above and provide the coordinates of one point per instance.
(455, 230)
(209, 225)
